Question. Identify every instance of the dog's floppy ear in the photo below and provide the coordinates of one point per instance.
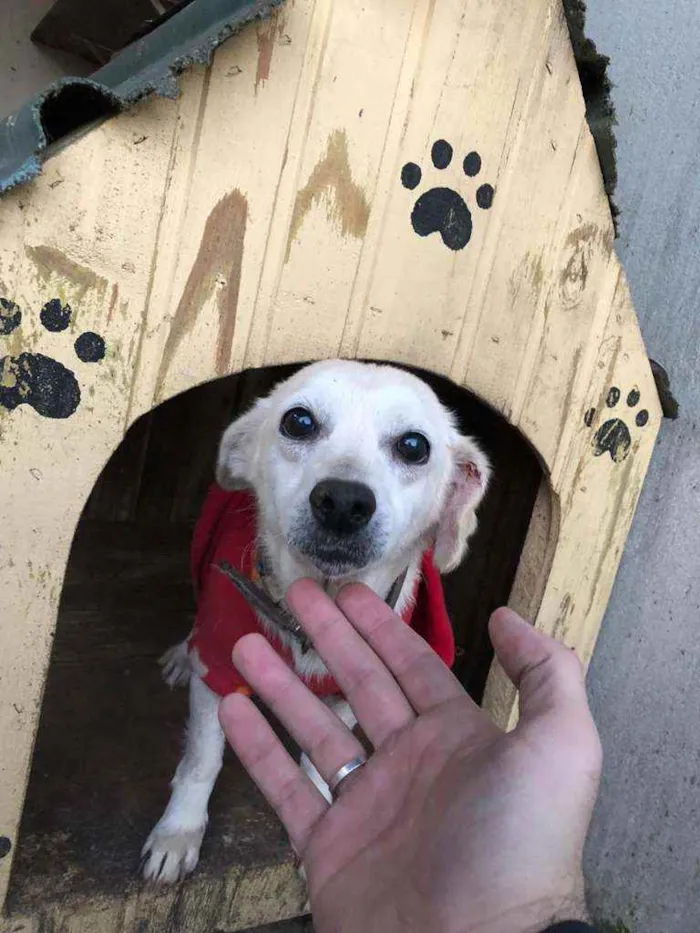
(457, 522)
(234, 463)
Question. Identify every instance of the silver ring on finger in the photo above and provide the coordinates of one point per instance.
(342, 773)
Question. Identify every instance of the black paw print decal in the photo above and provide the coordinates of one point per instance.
(613, 436)
(442, 210)
(36, 380)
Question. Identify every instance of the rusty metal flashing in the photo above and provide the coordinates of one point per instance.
(149, 66)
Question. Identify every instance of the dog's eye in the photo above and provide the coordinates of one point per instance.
(299, 424)
(413, 447)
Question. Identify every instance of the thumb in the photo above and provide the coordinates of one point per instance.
(549, 677)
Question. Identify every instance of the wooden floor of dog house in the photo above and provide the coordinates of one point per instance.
(110, 732)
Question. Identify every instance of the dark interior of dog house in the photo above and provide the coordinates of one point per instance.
(110, 732)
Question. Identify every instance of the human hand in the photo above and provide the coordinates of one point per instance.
(452, 825)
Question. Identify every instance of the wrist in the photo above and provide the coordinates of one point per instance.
(570, 926)
(539, 917)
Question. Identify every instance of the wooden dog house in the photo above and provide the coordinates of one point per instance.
(413, 182)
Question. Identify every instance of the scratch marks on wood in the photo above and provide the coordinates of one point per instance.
(528, 275)
(581, 245)
(216, 269)
(50, 261)
(268, 33)
(331, 183)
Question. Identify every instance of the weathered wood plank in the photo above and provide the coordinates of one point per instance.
(89, 256)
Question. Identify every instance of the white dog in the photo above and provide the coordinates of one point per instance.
(357, 473)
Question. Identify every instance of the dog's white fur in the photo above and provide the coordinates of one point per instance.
(361, 409)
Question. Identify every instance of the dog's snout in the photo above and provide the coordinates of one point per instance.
(341, 506)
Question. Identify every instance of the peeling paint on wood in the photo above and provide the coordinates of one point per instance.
(50, 262)
(216, 271)
(331, 184)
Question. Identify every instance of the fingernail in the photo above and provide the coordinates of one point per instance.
(511, 616)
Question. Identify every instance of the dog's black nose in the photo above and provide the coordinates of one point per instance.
(341, 506)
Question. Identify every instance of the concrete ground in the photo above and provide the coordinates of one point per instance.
(643, 857)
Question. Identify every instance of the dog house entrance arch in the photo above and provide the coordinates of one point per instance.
(110, 732)
(412, 182)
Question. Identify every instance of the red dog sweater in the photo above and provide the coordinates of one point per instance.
(226, 530)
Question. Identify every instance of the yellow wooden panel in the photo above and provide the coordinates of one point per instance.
(423, 295)
(221, 205)
(62, 238)
(612, 430)
(333, 171)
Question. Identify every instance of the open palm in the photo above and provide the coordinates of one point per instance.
(452, 824)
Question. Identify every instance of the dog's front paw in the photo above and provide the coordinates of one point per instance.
(169, 854)
(175, 665)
